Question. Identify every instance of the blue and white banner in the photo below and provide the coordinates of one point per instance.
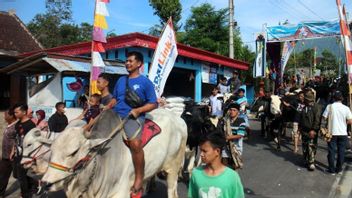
(303, 30)
(260, 60)
(285, 55)
(164, 59)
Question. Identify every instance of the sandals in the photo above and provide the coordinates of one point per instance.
(136, 193)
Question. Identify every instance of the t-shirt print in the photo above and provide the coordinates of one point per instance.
(211, 192)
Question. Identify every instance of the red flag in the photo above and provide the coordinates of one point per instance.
(98, 47)
(105, 1)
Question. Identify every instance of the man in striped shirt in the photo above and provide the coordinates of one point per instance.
(234, 129)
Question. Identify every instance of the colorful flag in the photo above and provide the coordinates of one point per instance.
(101, 9)
(345, 35)
(97, 43)
(98, 47)
(100, 21)
(98, 35)
(164, 58)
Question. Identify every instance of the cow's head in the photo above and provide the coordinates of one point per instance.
(198, 122)
(67, 150)
(36, 151)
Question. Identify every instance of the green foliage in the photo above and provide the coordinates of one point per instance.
(326, 63)
(53, 28)
(207, 28)
(166, 8)
(60, 9)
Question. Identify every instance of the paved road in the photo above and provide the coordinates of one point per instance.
(267, 173)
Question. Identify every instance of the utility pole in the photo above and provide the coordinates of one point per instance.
(231, 26)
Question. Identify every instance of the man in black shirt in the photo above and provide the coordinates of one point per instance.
(58, 121)
(22, 127)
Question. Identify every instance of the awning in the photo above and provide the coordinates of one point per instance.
(62, 65)
(51, 63)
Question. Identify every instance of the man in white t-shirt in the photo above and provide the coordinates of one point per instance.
(337, 116)
(216, 103)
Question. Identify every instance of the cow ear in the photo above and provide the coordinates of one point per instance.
(45, 141)
(93, 143)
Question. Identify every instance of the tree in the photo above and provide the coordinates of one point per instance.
(207, 29)
(166, 8)
(328, 61)
(54, 27)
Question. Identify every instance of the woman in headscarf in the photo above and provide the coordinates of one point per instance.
(41, 123)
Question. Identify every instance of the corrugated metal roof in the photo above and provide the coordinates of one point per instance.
(70, 65)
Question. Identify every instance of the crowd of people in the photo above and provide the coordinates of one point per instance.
(221, 149)
(313, 108)
(20, 121)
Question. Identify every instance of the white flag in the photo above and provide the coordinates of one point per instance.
(164, 59)
(286, 52)
(101, 9)
(97, 60)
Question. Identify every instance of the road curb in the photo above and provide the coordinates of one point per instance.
(342, 187)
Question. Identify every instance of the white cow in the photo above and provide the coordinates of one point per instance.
(110, 173)
(36, 148)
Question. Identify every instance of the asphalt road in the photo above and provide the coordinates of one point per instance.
(266, 173)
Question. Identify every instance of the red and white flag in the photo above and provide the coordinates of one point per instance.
(346, 38)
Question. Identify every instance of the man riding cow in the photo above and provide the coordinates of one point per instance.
(143, 89)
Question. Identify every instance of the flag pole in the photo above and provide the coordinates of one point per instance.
(161, 33)
(91, 51)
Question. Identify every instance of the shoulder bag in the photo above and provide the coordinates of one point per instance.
(131, 97)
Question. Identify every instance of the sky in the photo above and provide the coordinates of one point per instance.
(137, 16)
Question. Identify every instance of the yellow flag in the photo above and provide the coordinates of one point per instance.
(100, 21)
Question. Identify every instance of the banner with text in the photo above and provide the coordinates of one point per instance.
(164, 58)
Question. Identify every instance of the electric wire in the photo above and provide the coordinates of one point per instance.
(305, 6)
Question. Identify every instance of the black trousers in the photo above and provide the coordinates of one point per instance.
(337, 145)
(28, 185)
(5, 173)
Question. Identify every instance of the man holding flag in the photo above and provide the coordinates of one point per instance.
(144, 89)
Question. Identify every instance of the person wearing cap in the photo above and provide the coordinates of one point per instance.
(234, 82)
(336, 117)
(234, 128)
(309, 123)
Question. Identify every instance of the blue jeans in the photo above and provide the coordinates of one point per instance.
(337, 143)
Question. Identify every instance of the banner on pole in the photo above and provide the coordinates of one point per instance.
(260, 60)
(286, 52)
(164, 58)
